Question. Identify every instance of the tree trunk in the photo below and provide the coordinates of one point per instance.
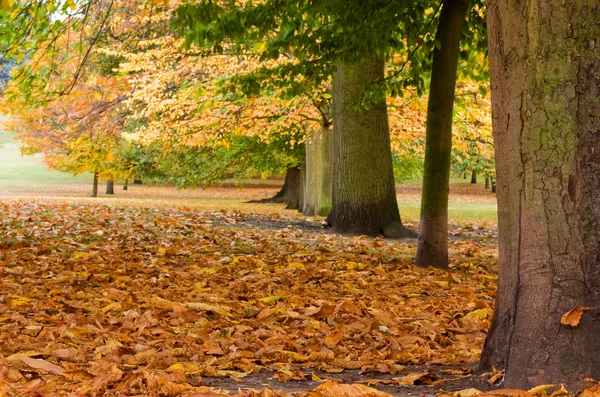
(110, 187)
(95, 185)
(487, 182)
(474, 177)
(545, 83)
(302, 187)
(138, 182)
(282, 195)
(319, 147)
(432, 249)
(126, 184)
(464, 175)
(293, 181)
(493, 185)
(364, 194)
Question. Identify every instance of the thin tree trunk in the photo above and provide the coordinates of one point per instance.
(319, 145)
(126, 184)
(464, 175)
(493, 185)
(432, 249)
(487, 182)
(545, 85)
(364, 194)
(110, 187)
(95, 185)
(302, 187)
(474, 177)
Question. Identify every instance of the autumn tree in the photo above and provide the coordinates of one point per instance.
(354, 40)
(545, 86)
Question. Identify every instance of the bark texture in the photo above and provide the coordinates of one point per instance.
(364, 194)
(432, 249)
(293, 179)
(319, 177)
(95, 186)
(546, 117)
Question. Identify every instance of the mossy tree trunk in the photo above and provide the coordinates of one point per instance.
(319, 153)
(432, 249)
(364, 194)
(110, 187)
(95, 186)
(545, 82)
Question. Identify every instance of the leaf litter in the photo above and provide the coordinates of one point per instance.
(97, 299)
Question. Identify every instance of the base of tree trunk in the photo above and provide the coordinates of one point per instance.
(368, 220)
(126, 184)
(138, 182)
(110, 187)
(432, 249)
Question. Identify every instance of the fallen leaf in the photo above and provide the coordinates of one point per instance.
(573, 316)
(44, 365)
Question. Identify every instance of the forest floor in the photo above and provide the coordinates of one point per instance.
(161, 292)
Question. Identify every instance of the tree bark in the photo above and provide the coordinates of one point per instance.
(302, 187)
(293, 180)
(319, 153)
(364, 194)
(110, 187)
(545, 84)
(282, 195)
(474, 177)
(432, 249)
(95, 186)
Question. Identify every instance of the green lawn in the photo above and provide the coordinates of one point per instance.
(28, 176)
(28, 171)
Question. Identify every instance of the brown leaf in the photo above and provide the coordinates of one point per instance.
(573, 316)
(331, 389)
(44, 365)
(413, 378)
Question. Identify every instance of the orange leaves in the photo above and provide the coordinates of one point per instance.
(573, 316)
(231, 293)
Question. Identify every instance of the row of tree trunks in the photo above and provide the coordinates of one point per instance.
(110, 186)
(432, 249)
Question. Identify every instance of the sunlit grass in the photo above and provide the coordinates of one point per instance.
(28, 177)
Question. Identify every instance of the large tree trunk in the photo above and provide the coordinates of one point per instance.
(110, 187)
(95, 186)
(545, 84)
(319, 152)
(364, 194)
(432, 249)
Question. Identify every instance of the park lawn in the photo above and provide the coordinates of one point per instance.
(27, 176)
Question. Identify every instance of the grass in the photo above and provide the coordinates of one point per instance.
(18, 171)
(27, 176)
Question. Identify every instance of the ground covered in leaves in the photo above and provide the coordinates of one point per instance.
(119, 300)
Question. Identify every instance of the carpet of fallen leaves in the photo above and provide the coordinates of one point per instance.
(126, 301)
